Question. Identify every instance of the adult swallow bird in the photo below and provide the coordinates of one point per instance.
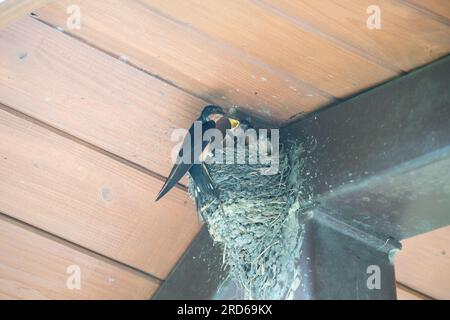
(211, 117)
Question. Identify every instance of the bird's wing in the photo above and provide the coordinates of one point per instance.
(202, 179)
(181, 168)
(198, 204)
(203, 184)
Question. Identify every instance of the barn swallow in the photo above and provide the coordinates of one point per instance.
(211, 117)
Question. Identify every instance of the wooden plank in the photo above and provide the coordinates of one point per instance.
(404, 294)
(78, 89)
(407, 39)
(438, 7)
(78, 194)
(278, 42)
(424, 263)
(189, 59)
(35, 267)
(11, 10)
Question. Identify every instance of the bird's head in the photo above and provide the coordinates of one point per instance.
(212, 113)
(216, 114)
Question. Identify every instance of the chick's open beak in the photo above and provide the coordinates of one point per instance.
(234, 123)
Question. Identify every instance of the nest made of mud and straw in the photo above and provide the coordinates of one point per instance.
(257, 222)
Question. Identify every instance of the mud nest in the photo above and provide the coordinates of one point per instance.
(258, 222)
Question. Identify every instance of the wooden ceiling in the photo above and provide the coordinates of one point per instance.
(86, 116)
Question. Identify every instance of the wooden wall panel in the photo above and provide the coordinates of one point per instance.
(67, 189)
(438, 7)
(34, 267)
(11, 10)
(78, 89)
(189, 59)
(407, 38)
(424, 263)
(279, 43)
(403, 294)
(168, 44)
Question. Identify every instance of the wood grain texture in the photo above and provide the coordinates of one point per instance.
(403, 294)
(407, 39)
(438, 7)
(80, 195)
(11, 10)
(187, 58)
(424, 263)
(78, 89)
(276, 41)
(34, 267)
